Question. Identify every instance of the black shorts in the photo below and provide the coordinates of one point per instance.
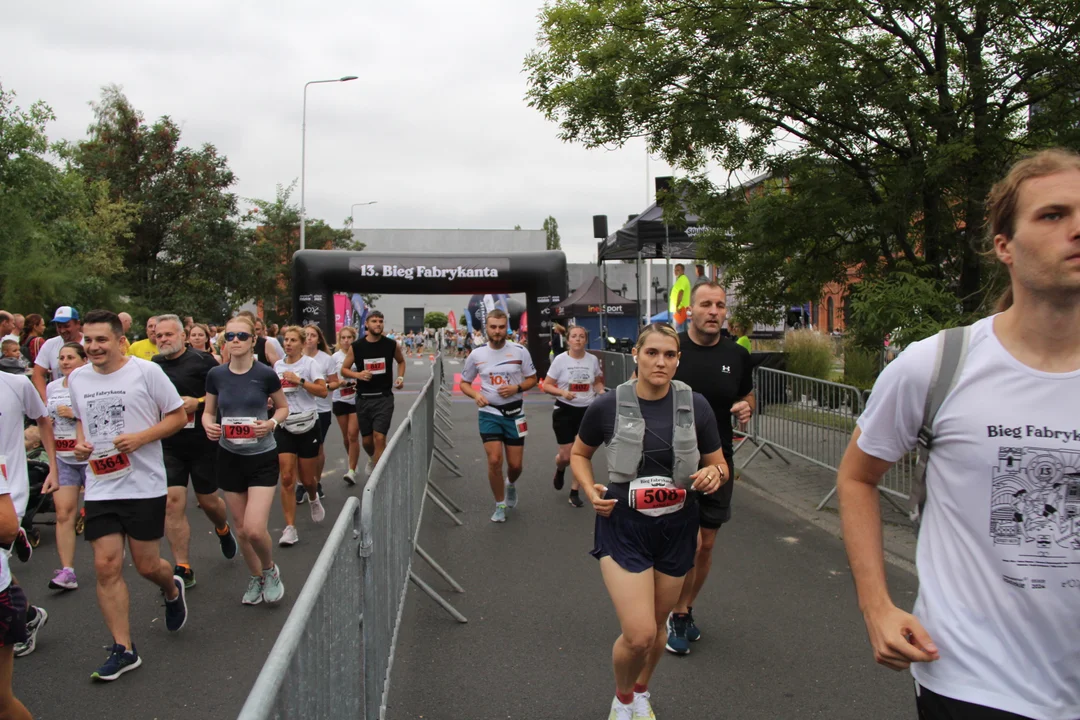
(326, 419)
(236, 473)
(932, 706)
(305, 445)
(638, 542)
(566, 419)
(715, 510)
(139, 519)
(12, 615)
(343, 408)
(374, 414)
(191, 456)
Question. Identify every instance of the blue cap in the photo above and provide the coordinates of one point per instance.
(65, 313)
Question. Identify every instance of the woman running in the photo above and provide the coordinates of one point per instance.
(71, 474)
(234, 415)
(299, 437)
(199, 339)
(575, 379)
(662, 441)
(344, 402)
(315, 347)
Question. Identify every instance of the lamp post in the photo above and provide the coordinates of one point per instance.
(303, 152)
(352, 208)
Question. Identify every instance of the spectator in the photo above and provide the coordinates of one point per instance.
(679, 301)
(7, 326)
(33, 336)
(11, 360)
(125, 322)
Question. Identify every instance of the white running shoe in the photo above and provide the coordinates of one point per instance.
(370, 467)
(620, 711)
(511, 493)
(642, 707)
(350, 477)
(500, 514)
(289, 536)
(273, 589)
(318, 512)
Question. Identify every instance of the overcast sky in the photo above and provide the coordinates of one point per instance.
(436, 128)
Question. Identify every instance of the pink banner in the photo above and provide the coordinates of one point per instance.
(341, 310)
(452, 321)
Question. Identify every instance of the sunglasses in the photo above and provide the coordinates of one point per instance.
(241, 336)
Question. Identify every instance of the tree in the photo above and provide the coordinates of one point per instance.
(883, 124)
(185, 253)
(551, 230)
(274, 234)
(436, 320)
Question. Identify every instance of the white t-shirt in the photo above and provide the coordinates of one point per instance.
(277, 346)
(12, 336)
(999, 549)
(48, 356)
(345, 393)
(327, 367)
(301, 402)
(575, 375)
(5, 561)
(57, 396)
(508, 365)
(128, 400)
(16, 400)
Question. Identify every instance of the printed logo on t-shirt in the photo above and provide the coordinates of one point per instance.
(105, 417)
(1035, 504)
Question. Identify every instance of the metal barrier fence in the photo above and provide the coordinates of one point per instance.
(334, 655)
(617, 367)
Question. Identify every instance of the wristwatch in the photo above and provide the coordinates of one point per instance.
(276, 423)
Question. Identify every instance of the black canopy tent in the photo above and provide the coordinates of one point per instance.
(594, 300)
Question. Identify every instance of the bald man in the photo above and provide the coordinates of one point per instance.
(125, 321)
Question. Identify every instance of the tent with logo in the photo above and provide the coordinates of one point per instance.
(585, 306)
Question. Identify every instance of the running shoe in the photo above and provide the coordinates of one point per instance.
(119, 662)
(23, 548)
(185, 574)
(320, 492)
(560, 478)
(32, 626)
(254, 593)
(620, 711)
(301, 494)
(692, 632)
(350, 477)
(642, 707)
(370, 467)
(288, 536)
(64, 579)
(273, 588)
(511, 494)
(500, 513)
(228, 544)
(676, 637)
(318, 512)
(575, 499)
(176, 610)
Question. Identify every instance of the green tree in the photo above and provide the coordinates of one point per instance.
(185, 253)
(436, 320)
(274, 234)
(884, 123)
(551, 230)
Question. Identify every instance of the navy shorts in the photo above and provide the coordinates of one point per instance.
(638, 542)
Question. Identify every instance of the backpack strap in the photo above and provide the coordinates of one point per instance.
(951, 354)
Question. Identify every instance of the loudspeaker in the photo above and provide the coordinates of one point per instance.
(599, 226)
(631, 217)
(663, 184)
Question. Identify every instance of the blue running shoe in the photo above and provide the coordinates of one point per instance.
(499, 514)
(176, 610)
(119, 662)
(511, 494)
(676, 638)
(692, 632)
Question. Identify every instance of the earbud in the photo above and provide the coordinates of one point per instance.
(635, 359)
(676, 363)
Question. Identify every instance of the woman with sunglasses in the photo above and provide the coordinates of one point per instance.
(663, 442)
(234, 416)
(344, 402)
(299, 438)
(71, 474)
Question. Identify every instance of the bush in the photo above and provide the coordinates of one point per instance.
(809, 353)
(860, 367)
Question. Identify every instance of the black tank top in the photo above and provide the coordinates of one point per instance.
(260, 352)
(379, 358)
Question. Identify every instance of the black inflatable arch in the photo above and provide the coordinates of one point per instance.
(318, 274)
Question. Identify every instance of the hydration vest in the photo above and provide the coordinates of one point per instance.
(627, 445)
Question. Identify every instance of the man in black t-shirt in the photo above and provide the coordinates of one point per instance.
(719, 369)
(189, 453)
(374, 356)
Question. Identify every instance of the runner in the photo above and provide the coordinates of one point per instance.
(375, 396)
(315, 347)
(647, 522)
(993, 633)
(199, 339)
(125, 406)
(47, 364)
(247, 457)
(268, 347)
(344, 402)
(13, 606)
(298, 438)
(189, 453)
(720, 370)
(575, 379)
(71, 474)
(506, 371)
(147, 347)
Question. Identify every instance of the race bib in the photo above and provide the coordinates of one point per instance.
(109, 464)
(655, 496)
(522, 426)
(65, 447)
(375, 366)
(3, 467)
(580, 387)
(239, 430)
(190, 421)
(287, 385)
(348, 389)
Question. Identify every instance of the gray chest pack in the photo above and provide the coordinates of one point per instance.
(951, 353)
(627, 445)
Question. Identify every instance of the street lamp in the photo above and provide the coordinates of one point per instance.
(352, 209)
(303, 152)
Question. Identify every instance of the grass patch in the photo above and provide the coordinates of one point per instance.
(833, 421)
